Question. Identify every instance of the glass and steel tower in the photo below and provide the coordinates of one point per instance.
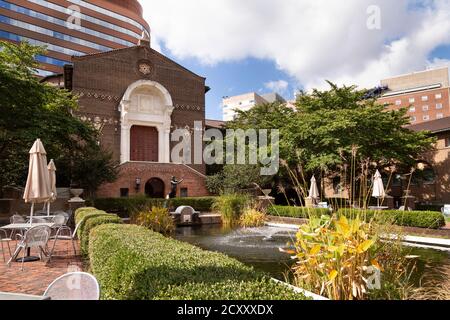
(71, 27)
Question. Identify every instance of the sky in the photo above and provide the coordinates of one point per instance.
(290, 45)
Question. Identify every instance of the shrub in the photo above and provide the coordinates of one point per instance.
(429, 207)
(134, 263)
(334, 257)
(126, 207)
(156, 219)
(82, 212)
(418, 219)
(296, 212)
(83, 215)
(91, 223)
(203, 204)
(252, 218)
(231, 207)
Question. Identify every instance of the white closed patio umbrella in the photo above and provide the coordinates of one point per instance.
(314, 190)
(52, 179)
(37, 189)
(378, 187)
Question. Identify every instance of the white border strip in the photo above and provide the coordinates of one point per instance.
(282, 225)
(308, 294)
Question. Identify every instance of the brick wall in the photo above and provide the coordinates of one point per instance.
(100, 81)
(193, 181)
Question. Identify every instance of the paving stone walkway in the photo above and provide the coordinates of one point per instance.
(37, 276)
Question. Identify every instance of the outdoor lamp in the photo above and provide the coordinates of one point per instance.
(138, 184)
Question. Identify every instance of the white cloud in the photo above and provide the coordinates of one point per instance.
(309, 40)
(279, 86)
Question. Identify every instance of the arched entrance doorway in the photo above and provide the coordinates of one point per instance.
(154, 188)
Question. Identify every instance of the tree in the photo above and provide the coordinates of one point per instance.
(30, 110)
(336, 130)
(234, 178)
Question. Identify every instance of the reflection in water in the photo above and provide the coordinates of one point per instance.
(259, 247)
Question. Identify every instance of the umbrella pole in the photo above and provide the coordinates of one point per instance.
(31, 213)
(48, 209)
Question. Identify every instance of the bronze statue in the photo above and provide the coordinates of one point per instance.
(174, 186)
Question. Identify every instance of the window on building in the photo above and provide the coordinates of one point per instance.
(428, 176)
(124, 192)
(426, 117)
(337, 185)
(415, 179)
(184, 192)
(412, 109)
(398, 102)
(425, 98)
(396, 180)
(438, 96)
(413, 119)
(425, 108)
(412, 100)
(439, 106)
(439, 116)
(447, 142)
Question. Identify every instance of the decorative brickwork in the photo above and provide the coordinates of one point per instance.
(194, 181)
(100, 82)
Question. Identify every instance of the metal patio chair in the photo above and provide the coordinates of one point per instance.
(36, 237)
(17, 219)
(5, 239)
(39, 220)
(446, 210)
(64, 233)
(74, 286)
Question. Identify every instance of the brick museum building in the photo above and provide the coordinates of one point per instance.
(136, 98)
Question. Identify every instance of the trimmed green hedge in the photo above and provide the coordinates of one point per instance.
(82, 212)
(419, 219)
(90, 218)
(133, 263)
(429, 207)
(296, 212)
(125, 207)
(83, 217)
(91, 223)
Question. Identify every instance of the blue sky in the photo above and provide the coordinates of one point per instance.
(242, 46)
(234, 78)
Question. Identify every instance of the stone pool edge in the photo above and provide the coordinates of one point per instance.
(420, 242)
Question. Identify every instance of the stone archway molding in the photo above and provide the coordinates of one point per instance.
(161, 119)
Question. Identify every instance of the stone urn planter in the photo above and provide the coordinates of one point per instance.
(76, 193)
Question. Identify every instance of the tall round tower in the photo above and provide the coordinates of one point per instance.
(72, 27)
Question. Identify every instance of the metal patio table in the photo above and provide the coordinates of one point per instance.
(26, 227)
(18, 296)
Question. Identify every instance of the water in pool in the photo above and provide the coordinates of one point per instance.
(259, 247)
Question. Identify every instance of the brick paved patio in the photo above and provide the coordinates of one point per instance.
(38, 275)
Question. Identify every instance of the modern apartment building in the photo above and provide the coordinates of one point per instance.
(72, 27)
(245, 102)
(425, 94)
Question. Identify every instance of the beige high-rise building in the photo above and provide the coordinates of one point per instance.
(245, 102)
